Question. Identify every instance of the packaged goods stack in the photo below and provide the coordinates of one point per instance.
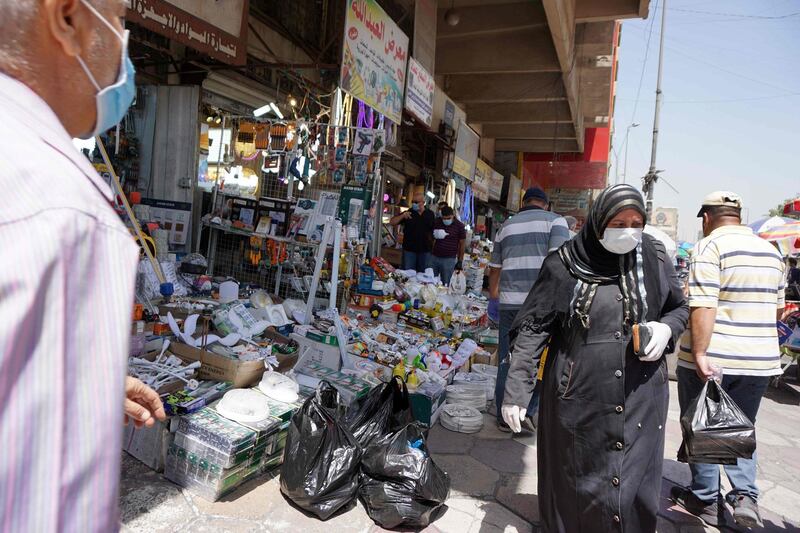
(213, 455)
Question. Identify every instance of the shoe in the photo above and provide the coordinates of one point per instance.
(502, 426)
(745, 511)
(707, 512)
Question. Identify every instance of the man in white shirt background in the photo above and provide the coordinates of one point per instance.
(67, 269)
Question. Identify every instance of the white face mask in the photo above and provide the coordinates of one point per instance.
(621, 240)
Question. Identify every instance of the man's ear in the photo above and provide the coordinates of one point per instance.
(70, 24)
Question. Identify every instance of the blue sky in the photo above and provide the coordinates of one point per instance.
(731, 112)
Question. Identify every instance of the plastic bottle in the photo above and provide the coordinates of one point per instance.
(399, 370)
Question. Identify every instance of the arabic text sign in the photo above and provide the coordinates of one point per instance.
(566, 200)
(466, 153)
(374, 58)
(419, 92)
(496, 185)
(190, 28)
(481, 183)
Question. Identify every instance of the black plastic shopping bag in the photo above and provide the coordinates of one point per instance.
(715, 430)
(401, 486)
(320, 471)
(386, 408)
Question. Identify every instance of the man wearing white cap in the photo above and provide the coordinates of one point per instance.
(736, 291)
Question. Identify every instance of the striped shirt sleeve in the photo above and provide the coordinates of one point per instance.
(782, 289)
(704, 278)
(559, 234)
(497, 252)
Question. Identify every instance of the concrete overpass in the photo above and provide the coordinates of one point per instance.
(534, 73)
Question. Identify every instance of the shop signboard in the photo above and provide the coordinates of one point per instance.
(466, 153)
(425, 33)
(449, 113)
(419, 92)
(217, 28)
(480, 185)
(567, 201)
(173, 217)
(514, 192)
(374, 58)
(495, 185)
(666, 219)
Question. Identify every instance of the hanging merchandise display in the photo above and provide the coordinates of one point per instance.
(467, 214)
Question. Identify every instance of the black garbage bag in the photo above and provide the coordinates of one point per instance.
(715, 430)
(320, 471)
(386, 408)
(401, 486)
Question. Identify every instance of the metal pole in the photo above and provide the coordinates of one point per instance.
(312, 291)
(627, 140)
(287, 160)
(652, 175)
(625, 168)
(337, 246)
(219, 158)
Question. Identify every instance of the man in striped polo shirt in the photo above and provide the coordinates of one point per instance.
(736, 292)
(519, 251)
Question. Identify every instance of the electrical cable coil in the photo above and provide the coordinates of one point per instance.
(475, 378)
(471, 395)
(461, 418)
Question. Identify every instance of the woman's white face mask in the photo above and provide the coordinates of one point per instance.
(621, 240)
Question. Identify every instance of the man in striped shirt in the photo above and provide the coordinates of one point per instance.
(519, 251)
(67, 272)
(736, 293)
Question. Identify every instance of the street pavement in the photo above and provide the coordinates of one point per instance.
(493, 486)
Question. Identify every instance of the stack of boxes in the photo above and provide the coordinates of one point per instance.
(213, 455)
(310, 374)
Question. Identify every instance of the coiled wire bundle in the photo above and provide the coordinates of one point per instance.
(461, 418)
(469, 394)
(474, 378)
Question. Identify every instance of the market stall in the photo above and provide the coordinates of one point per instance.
(239, 366)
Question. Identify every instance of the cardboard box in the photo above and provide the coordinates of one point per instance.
(148, 445)
(311, 374)
(426, 409)
(482, 359)
(318, 352)
(423, 323)
(220, 368)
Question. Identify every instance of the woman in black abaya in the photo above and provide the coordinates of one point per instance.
(603, 408)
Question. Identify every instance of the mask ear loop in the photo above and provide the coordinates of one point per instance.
(97, 14)
(88, 73)
(122, 37)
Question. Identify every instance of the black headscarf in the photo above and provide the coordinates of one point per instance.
(586, 258)
(589, 262)
(569, 278)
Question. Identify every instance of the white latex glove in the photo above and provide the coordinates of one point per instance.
(514, 415)
(662, 334)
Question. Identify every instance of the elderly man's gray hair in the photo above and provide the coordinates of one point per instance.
(16, 19)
